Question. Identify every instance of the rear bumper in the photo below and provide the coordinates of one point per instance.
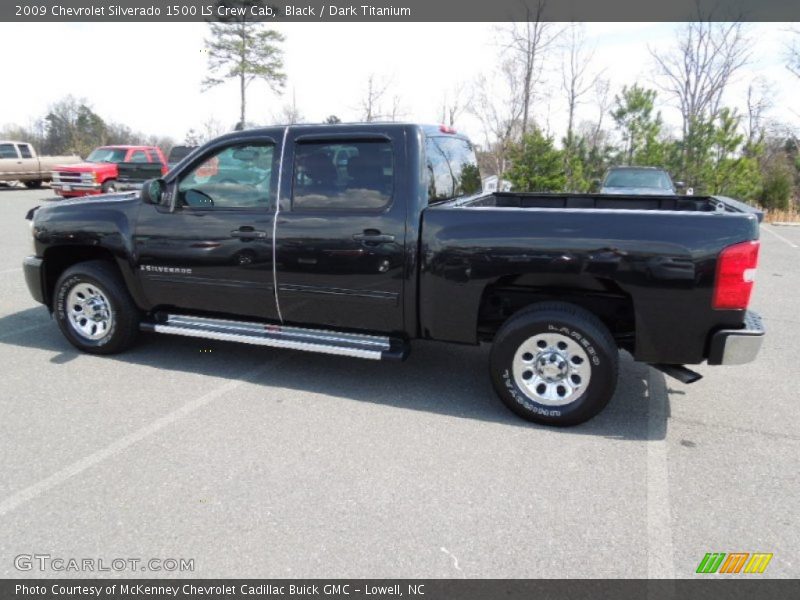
(33, 267)
(737, 346)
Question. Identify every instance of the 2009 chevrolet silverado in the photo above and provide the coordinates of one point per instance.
(356, 239)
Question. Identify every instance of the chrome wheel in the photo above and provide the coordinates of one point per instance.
(89, 311)
(551, 369)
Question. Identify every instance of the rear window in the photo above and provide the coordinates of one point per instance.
(452, 168)
(357, 175)
(24, 150)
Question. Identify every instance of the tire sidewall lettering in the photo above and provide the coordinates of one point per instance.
(523, 400)
(579, 337)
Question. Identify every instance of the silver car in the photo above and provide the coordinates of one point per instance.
(644, 181)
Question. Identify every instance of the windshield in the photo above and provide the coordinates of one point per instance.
(638, 178)
(107, 155)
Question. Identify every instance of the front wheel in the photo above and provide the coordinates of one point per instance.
(554, 363)
(110, 186)
(94, 310)
(34, 184)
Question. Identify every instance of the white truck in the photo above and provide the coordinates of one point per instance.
(19, 162)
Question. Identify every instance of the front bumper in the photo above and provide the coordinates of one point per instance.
(737, 346)
(33, 267)
(75, 187)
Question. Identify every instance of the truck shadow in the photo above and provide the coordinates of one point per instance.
(437, 378)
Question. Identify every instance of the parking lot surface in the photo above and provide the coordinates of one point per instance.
(262, 462)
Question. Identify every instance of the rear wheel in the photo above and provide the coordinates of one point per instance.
(554, 363)
(94, 309)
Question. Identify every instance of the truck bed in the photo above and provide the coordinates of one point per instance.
(655, 254)
(612, 202)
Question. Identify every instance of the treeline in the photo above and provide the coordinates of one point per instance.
(71, 126)
(717, 150)
(717, 157)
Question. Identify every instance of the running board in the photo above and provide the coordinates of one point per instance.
(278, 336)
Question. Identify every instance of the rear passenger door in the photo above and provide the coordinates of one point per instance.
(340, 235)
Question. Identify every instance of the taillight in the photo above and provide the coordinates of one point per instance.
(736, 271)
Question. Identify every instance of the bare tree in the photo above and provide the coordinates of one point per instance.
(698, 69)
(576, 82)
(759, 102)
(793, 54)
(604, 101)
(211, 129)
(527, 44)
(498, 104)
(373, 97)
(454, 103)
(397, 111)
(289, 113)
(696, 72)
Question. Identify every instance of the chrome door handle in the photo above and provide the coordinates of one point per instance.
(377, 238)
(248, 234)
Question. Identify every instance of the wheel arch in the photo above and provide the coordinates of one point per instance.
(507, 296)
(58, 259)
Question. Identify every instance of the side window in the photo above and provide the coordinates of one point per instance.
(356, 175)
(234, 177)
(452, 168)
(139, 156)
(8, 151)
(24, 150)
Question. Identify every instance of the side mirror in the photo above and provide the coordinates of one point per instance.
(153, 191)
(679, 185)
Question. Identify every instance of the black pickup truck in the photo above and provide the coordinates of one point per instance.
(356, 239)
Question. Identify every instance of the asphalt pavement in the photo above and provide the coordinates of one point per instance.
(258, 462)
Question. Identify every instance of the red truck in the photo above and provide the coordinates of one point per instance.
(99, 173)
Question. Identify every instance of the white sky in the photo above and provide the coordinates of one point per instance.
(148, 76)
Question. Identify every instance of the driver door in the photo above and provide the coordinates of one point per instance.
(213, 251)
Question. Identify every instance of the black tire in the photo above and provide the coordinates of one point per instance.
(33, 185)
(579, 329)
(125, 315)
(110, 186)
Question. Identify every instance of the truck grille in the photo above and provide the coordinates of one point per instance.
(67, 177)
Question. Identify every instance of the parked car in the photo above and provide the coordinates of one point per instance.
(99, 173)
(178, 153)
(19, 162)
(297, 250)
(642, 181)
